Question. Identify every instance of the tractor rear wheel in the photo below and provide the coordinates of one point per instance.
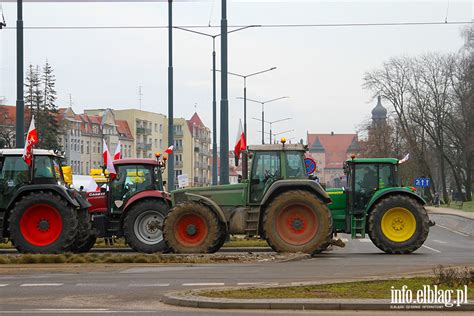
(193, 228)
(83, 237)
(297, 221)
(87, 245)
(398, 224)
(42, 222)
(143, 226)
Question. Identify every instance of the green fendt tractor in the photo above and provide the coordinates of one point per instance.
(277, 201)
(38, 212)
(281, 204)
(375, 203)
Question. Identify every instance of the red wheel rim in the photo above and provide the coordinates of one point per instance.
(190, 230)
(41, 225)
(297, 224)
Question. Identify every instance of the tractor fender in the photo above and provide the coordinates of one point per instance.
(161, 195)
(62, 191)
(391, 191)
(209, 203)
(284, 185)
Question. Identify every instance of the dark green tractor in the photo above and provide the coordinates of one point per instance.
(375, 203)
(38, 212)
(275, 200)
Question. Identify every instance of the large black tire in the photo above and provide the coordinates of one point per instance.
(143, 224)
(388, 245)
(84, 234)
(193, 228)
(42, 222)
(297, 221)
(222, 239)
(87, 245)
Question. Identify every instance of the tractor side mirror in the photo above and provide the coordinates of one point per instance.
(103, 189)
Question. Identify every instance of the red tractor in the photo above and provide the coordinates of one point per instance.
(133, 205)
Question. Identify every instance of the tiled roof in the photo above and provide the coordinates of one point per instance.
(123, 129)
(7, 114)
(336, 147)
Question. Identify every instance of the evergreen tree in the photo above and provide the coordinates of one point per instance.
(32, 93)
(50, 111)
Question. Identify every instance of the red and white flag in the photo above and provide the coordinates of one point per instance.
(108, 162)
(31, 139)
(117, 154)
(241, 142)
(169, 150)
(404, 159)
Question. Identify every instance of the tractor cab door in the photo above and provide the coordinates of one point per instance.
(365, 183)
(265, 171)
(130, 180)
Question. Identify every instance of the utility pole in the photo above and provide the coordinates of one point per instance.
(20, 102)
(170, 96)
(224, 157)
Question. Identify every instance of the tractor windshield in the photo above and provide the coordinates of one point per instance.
(295, 167)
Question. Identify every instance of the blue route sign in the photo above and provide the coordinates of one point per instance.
(310, 165)
(422, 182)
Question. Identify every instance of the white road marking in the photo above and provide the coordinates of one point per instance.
(42, 284)
(250, 283)
(333, 258)
(432, 249)
(203, 284)
(2, 285)
(96, 284)
(440, 241)
(453, 231)
(344, 239)
(68, 309)
(365, 240)
(149, 285)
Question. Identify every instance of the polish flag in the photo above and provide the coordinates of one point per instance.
(108, 162)
(117, 154)
(31, 139)
(241, 142)
(404, 159)
(169, 150)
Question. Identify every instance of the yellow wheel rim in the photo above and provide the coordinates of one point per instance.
(398, 224)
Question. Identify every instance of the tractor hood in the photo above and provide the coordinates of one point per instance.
(226, 195)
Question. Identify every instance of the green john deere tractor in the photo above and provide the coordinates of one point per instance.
(277, 201)
(374, 202)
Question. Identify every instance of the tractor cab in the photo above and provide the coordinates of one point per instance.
(365, 177)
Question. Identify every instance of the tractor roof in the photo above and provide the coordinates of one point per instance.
(393, 161)
(136, 161)
(19, 152)
(278, 147)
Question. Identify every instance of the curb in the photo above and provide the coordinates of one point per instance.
(192, 300)
(438, 211)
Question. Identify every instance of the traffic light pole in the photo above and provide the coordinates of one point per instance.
(20, 103)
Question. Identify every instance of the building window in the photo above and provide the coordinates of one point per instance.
(161, 128)
(156, 127)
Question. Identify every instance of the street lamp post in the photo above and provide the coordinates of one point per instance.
(245, 91)
(263, 112)
(170, 97)
(271, 123)
(214, 101)
(224, 158)
(280, 133)
(20, 103)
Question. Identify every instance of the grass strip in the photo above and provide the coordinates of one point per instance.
(349, 290)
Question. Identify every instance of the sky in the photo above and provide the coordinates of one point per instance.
(319, 68)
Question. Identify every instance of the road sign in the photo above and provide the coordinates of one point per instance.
(183, 180)
(310, 165)
(422, 182)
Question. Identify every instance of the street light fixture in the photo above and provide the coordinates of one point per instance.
(280, 133)
(245, 90)
(263, 112)
(271, 123)
(214, 101)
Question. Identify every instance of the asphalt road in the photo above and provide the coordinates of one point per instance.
(139, 288)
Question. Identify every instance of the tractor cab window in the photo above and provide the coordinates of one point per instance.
(265, 171)
(44, 172)
(130, 179)
(295, 167)
(15, 171)
(366, 182)
(386, 176)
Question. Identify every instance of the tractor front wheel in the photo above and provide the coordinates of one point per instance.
(398, 224)
(193, 228)
(42, 222)
(143, 225)
(297, 221)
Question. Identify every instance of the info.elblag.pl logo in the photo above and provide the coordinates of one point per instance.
(428, 295)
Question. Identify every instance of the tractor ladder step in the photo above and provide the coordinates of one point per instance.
(357, 227)
(252, 223)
